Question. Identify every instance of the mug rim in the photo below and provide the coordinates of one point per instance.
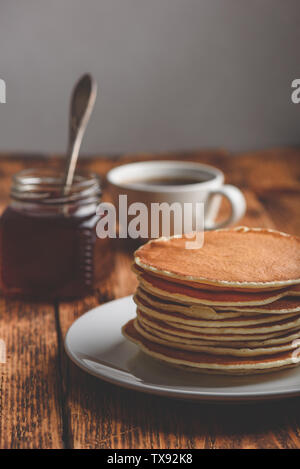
(114, 176)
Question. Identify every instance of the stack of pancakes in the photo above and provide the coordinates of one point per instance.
(231, 306)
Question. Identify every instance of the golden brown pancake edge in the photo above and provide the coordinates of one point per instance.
(223, 261)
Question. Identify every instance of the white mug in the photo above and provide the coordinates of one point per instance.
(205, 184)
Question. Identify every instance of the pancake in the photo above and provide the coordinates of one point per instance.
(286, 305)
(181, 318)
(230, 307)
(189, 344)
(194, 311)
(252, 344)
(217, 334)
(184, 294)
(239, 258)
(200, 361)
(199, 286)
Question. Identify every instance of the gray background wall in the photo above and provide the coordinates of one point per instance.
(173, 74)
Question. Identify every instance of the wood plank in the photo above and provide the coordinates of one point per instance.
(274, 169)
(284, 208)
(30, 397)
(90, 402)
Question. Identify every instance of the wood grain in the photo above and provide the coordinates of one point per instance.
(30, 398)
(45, 401)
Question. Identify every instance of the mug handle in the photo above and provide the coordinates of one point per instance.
(237, 202)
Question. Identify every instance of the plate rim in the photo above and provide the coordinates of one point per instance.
(171, 391)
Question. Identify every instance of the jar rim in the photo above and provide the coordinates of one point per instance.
(51, 175)
(45, 186)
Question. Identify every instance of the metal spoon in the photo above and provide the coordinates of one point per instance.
(82, 103)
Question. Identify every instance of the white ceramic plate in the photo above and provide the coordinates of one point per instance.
(95, 343)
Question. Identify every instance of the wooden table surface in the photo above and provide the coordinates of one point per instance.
(47, 402)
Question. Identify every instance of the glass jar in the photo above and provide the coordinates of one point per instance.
(48, 243)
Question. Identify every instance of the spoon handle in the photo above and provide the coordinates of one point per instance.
(82, 103)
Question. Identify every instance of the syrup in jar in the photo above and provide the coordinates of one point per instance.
(48, 243)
